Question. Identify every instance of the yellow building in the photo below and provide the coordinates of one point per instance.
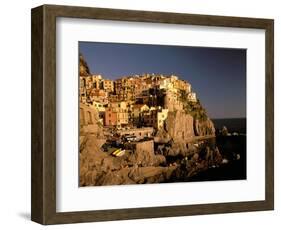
(98, 106)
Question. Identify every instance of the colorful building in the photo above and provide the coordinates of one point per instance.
(110, 118)
(117, 114)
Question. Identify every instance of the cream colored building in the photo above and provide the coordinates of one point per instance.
(192, 97)
(96, 81)
(122, 118)
(161, 117)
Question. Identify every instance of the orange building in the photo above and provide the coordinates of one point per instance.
(110, 118)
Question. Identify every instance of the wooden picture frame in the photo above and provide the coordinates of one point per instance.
(43, 207)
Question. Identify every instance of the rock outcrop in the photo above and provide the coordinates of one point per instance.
(141, 166)
(84, 68)
(145, 158)
(89, 121)
(179, 126)
(204, 128)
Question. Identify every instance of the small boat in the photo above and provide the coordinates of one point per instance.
(121, 153)
(118, 152)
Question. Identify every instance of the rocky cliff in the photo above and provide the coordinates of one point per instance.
(202, 124)
(184, 124)
(204, 127)
(179, 125)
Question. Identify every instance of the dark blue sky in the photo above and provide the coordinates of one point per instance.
(217, 75)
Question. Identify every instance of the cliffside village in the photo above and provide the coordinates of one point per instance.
(134, 105)
(147, 128)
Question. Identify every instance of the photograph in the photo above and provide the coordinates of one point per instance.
(161, 114)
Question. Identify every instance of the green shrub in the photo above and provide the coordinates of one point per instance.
(195, 109)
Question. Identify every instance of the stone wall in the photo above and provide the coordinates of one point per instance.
(145, 146)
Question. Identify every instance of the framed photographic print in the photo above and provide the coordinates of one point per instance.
(141, 114)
